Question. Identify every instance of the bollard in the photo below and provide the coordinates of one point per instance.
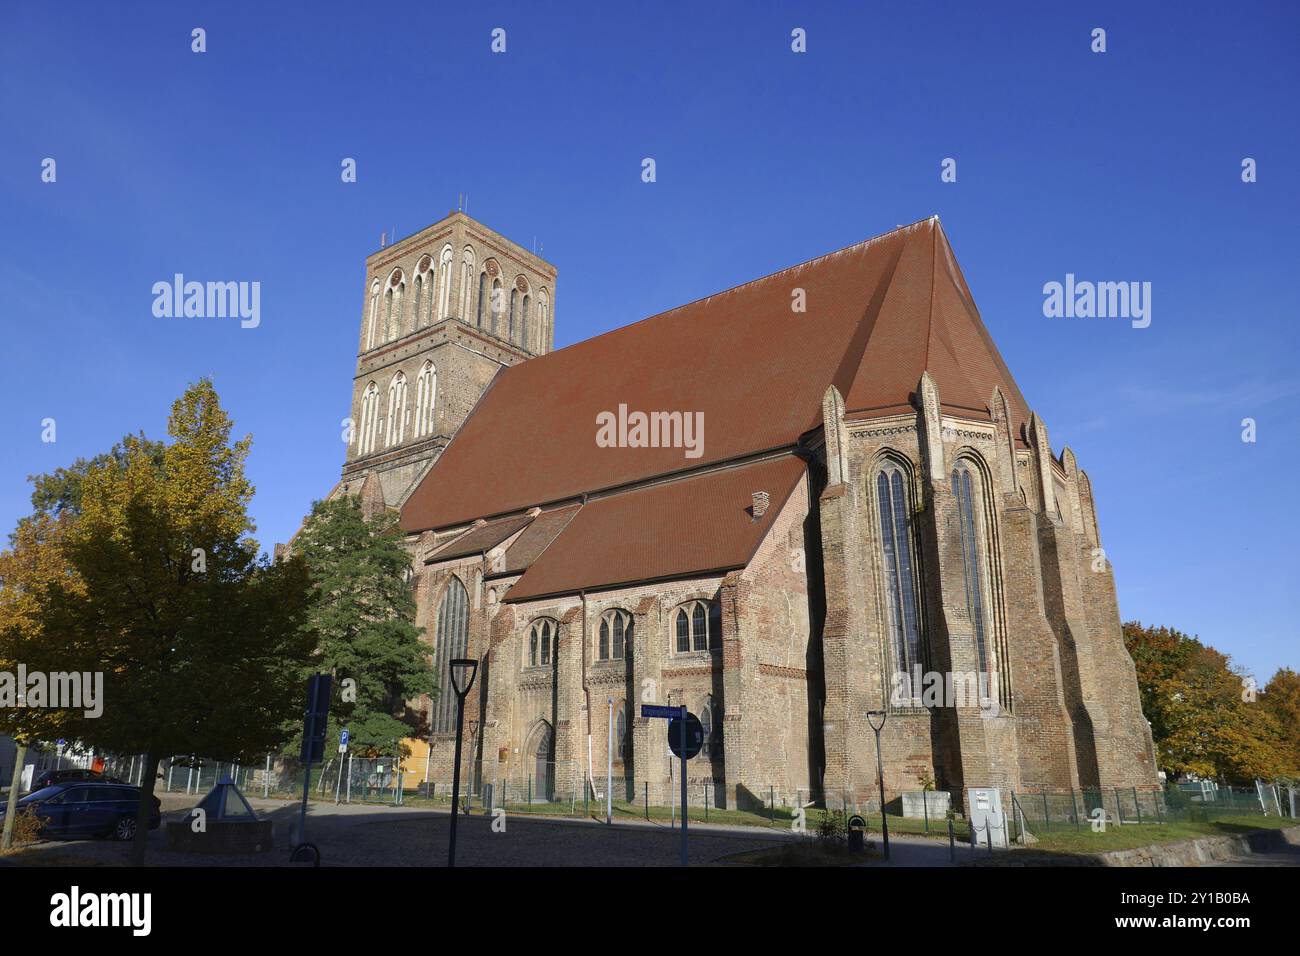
(647, 801)
(988, 829)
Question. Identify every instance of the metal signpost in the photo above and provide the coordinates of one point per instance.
(344, 736)
(313, 737)
(685, 738)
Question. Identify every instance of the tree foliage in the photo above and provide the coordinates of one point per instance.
(1206, 718)
(363, 617)
(200, 642)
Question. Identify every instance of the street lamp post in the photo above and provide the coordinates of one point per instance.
(876, 718)
(461, 684)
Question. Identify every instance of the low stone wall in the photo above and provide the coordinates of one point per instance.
(1202, 850)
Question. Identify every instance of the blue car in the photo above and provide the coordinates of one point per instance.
(78, 809)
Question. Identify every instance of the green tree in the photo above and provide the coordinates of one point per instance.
(1281, 698)
(201, 643)
(59, 491)
(31, 570)
(1204, 720)
(363, 617)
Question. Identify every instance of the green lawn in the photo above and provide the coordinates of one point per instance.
(1132, 835)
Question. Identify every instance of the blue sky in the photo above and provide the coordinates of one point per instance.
(1117, 166)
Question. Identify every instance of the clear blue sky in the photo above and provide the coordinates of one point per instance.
(1117, 166)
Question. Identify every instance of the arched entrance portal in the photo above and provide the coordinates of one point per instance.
(542, 769)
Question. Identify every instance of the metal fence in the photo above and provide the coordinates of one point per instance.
(566, 788)
(1047, 810)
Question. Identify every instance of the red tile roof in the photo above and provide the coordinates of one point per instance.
(879, 313)
(696, 525)
(480, 539)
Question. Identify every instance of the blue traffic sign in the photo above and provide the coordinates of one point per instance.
(344, 737)
(659, 710)
(694, 736)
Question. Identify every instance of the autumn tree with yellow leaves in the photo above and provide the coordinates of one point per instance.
(161, 588)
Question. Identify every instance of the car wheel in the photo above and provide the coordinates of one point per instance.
(125, 829)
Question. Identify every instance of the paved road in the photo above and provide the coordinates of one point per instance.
(370, 835)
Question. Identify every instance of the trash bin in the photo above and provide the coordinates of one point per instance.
(857, 834)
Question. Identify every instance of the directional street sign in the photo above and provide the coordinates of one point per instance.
(659, 710)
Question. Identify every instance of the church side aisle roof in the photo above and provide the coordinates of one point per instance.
(697, 525)
(879, 313)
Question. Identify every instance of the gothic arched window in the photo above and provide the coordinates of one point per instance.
(514, 313)
(615, 636)
(369, 417)
(393, 298)
(900, 568)
(482, 298)
(451, 642)
(466, 282)
(524, 340)
(444, 284)
(497, 305)
(541, 642)
(620, 729)
(396, 410)
(373, 326)
(426, 400)
(711, 724)
(968, 490)
(424, 280)
(698, 626)
(543, 320)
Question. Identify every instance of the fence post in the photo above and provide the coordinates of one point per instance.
(1119, 807)
(1074, 802)
(925, 808)
(771, 802)
(952, 843)
(1047, 814)
(1137, 803)
(266, 778)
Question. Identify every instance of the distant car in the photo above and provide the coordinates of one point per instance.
(50, 777)
(81, 809)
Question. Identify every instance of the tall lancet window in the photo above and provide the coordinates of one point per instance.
(899, 565)
(396, 410)
(524, 340)
(444, 283)
(497, 305)
(482, 298)
(514, 313)
(466, 283)
(424, 281)
(543, 321)
(369, 417)
(373, 327)
(426, 399)
(451, 642)
(967, 489)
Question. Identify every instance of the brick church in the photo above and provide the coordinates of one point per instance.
(785, 505)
